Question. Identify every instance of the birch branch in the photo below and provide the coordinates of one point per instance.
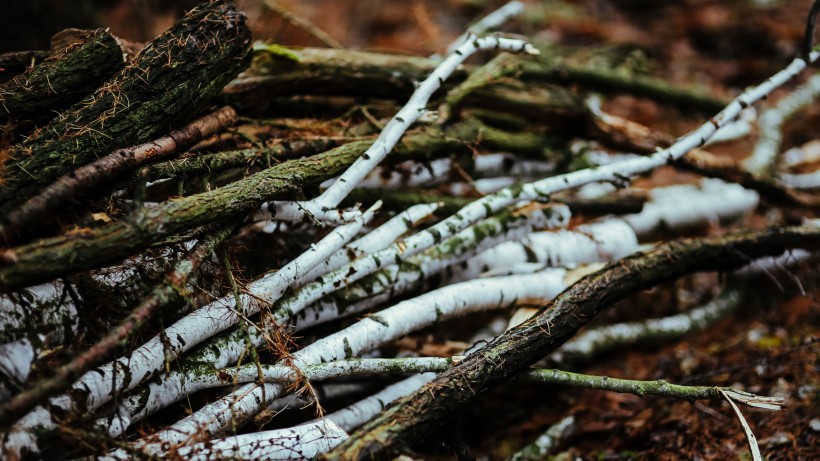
(593, 342)
(558, 321)
(353, 416)
(809, 181)
(487, 23)
(763, 158)
(331, 430)
(226, 349)
(615, 172)
(547, 441)
(636, 136)
(43, 308)
(408, 115)
(24, 265)
(98, 387)
(374, 240)
(362, 411)
(223, 350)
(300, 442)
(439, 171)
(366, 334)
(65, 375)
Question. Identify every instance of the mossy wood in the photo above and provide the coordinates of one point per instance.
(169, 83)
(83, 249)
(63, 78)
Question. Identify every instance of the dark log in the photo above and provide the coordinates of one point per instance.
(169, 83)
(415, 416)
(16, 62)
(79, 68)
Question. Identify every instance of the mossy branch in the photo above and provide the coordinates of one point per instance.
(168, 83)
(62, 79)
(84, 249)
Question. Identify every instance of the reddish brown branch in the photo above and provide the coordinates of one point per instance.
(107, 169)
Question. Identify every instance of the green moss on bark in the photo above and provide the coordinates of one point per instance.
(171, 80)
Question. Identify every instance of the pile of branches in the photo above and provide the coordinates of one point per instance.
(158, 249)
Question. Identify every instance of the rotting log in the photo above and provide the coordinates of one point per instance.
(415, 416)
(169, 82)
(63, 78)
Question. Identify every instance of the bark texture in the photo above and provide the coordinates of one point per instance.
(45, 205)
(415, 416)
(85, 249)
(62, 79)
(168, 84)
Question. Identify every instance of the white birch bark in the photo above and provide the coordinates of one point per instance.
(395, 128)
(679, 207)
(606, 338)
(355, 415)
(487, 23)
(764, 155)
(412, 174)
(42, 308)
(305, 441)
(360, 337)
(99, 386)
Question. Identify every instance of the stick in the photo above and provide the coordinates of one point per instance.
(414, 416)
(96, 355)
(107, 169)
